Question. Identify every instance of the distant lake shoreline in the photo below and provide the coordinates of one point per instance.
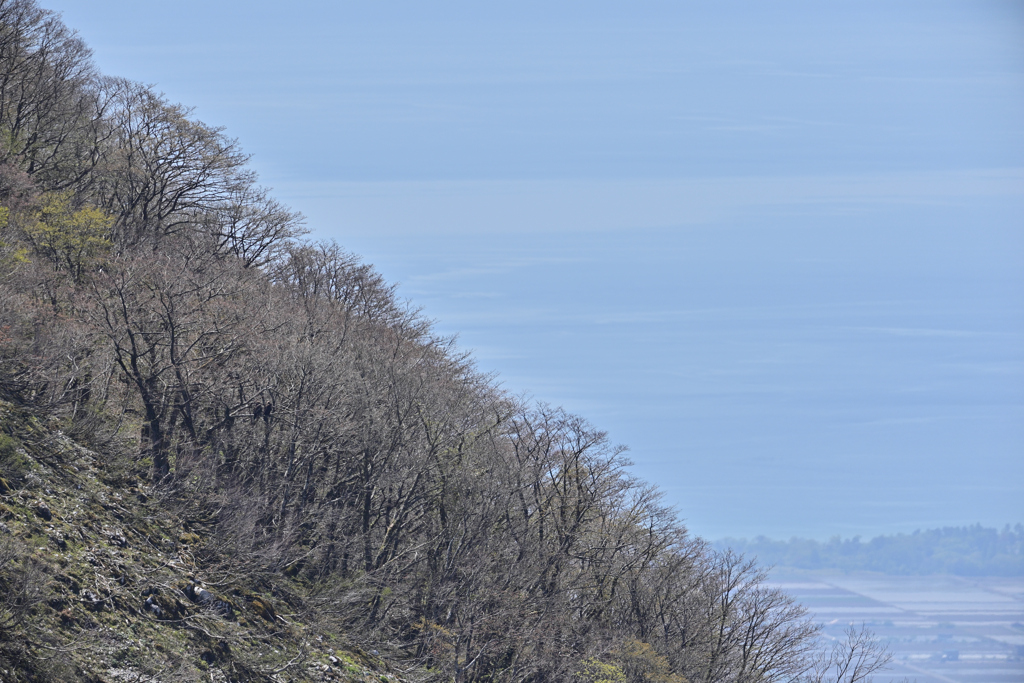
(956, 551)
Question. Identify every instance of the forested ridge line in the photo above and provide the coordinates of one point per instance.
(232, 453)
(963, 551)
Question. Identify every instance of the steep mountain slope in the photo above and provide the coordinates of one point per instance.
(103, 582)
(229, 450)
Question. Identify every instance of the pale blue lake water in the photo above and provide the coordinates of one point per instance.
(784, 369)
(776, 248)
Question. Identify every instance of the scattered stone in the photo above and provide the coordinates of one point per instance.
(198, 594)
(92, 600)
(209, 600)
(152, 606)
(117, 538)
(58, 540)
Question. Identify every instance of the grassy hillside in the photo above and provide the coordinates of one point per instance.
(105, 581)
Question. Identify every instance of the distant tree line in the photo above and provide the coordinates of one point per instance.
(962, 551)
(277, 394)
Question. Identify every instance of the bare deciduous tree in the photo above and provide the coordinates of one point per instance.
(856, 658)
(162, 169)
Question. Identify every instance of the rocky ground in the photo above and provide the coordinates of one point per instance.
(101, 581)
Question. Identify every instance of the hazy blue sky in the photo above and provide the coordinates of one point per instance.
(776, 248)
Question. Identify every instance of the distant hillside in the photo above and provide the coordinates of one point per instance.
(962, 551)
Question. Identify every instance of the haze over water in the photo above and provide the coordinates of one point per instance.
(780, 253)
